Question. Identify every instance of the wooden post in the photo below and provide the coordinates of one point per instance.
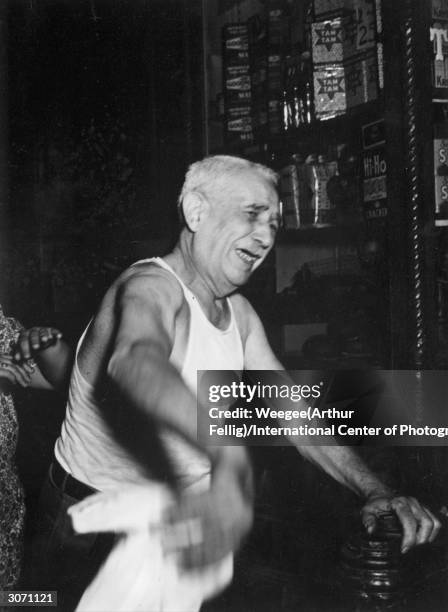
(410, 189)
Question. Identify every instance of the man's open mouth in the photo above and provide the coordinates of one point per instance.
(247, 256)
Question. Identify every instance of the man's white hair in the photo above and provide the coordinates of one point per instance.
(208, 175)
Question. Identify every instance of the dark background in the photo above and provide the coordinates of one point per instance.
(104, 114)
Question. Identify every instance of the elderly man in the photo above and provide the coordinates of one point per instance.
(135, 377)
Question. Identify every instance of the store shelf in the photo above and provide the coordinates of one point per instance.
(319, 234)
(316, 136)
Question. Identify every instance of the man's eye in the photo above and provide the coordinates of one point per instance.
(274, 227)
(252, 214)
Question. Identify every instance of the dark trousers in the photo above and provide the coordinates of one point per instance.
(61, 560)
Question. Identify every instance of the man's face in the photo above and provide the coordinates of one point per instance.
(239, 229)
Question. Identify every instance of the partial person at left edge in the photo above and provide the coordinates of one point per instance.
(36, 358)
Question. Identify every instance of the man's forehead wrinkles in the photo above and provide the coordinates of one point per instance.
(261, 205)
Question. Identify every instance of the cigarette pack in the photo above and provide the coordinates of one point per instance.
(374, 180)
(240, 83)
(235, 53)
(239, 131)
(236, 58)
(441, 195)
(329, 91)
(341, 38)
(238, 97)
(233, 72)
(440, 169)
(330, 40)
(361, 80)
(235, 112)
(237, 86)
(338, 87)
(235, 35)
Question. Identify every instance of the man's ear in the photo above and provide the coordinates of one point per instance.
(193, 206)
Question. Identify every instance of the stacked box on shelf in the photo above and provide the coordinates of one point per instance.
(237, 85)
(344, 55)
(277, 30)
(339, 87)
(379, 42)
(258, 73)
(439, 38)
(266, 44)
(440, 140)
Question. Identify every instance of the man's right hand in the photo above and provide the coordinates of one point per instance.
(206, 527)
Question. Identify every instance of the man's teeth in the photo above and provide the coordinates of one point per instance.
(246, 257)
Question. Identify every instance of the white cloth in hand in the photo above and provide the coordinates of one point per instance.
(138, 575)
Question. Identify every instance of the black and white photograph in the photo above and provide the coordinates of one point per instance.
(224, 305)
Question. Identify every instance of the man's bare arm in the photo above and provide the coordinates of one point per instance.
(146, 309)
(139, 366)
(341, 462)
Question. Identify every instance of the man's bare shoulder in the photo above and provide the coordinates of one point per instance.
(149, 282)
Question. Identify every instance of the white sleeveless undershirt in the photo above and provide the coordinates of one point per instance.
(87, 448)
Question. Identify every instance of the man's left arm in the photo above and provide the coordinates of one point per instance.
(341, 462)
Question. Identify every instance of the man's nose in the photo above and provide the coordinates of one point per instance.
(263, 235)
